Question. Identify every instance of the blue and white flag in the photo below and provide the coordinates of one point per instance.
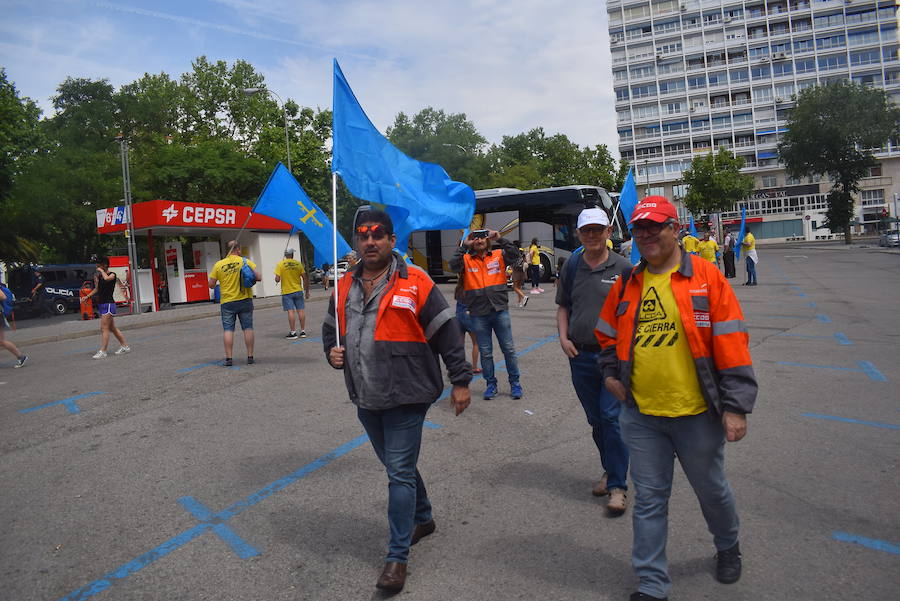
(285, 199)
(417, 195)
(740, 238)
(693, 228)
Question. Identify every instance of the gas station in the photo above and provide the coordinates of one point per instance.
(262, 239)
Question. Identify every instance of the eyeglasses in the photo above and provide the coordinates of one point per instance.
(643, 227)
(377, 231)
(591, 231)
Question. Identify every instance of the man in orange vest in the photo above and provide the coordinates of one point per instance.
(675, 353)
(393, 323)
(483, 270)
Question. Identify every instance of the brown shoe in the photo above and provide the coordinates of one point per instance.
(393, 577)
(600, 489)
(422, 530)
(617, 502)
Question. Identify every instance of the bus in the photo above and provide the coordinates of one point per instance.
(548, 214)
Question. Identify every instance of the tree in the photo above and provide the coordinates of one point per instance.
(715, 183)
(833, 130)
(20, 140)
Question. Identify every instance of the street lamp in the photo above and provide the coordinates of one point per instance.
(132, 250)
(287, 138)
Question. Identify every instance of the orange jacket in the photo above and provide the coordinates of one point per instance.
(484, 278)
(713, 325)
(413, 325)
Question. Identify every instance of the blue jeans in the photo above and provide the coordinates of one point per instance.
(239, 309)
(653, 442)
(396, 436)
(751, 271)
(497, 322)
(602, 411)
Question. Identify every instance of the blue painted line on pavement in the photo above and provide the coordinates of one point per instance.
(842, 339)
(802, 295)
(178, 541)
(853, 421)
(185, 370)
(432, 425)
(871, 543)
(870, 370)
(823, 318)
(308, 339)
(68, 403)
(203, 514)
(812, 305)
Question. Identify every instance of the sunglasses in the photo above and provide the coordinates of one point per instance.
(648, 228)
(377, 231)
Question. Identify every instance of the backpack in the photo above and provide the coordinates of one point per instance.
(248, 277)
(572, 268)
(8, 302)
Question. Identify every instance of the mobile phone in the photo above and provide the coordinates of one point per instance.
(479, 233)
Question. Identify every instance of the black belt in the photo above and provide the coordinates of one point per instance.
(591, 348)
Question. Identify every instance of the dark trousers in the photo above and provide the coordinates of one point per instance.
(535, 275)
(730, 271)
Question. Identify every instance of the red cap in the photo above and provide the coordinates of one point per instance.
(654, 208)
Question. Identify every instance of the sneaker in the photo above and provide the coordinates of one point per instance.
(525, 302)
(515, 390)
(123, 349)
(490, 392)
(21, 361)
(227, 362)
(600, 490)
(292, 335)
(99, 355)
(728, 565)
(302, 333)
(250, 360)
(534, 291)
(540, 290)
(639, 596)
(617, 503)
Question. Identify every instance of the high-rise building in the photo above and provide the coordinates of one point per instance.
(692, 76)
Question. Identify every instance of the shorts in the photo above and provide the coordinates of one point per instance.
(293, 301)
(107, 309)
(518, 276)
(462, 316)
(239, 309)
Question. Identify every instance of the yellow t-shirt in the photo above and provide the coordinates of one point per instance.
(749, 242)
(535, 254)
(690, 243)
(228, 272)
(707, 250)
(663, 380)
(609, 244)
(291, 273)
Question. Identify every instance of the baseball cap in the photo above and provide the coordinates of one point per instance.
(593, 216)
(288, 252)
(654, 208)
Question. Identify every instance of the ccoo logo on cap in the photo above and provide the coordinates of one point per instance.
(654, 208)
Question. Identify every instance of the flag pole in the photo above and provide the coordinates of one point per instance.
(337, 325)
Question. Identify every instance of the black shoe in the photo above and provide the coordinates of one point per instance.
(645, 597)
(292, 335)
(422, 530)
(728, 565)
(227, 362)
(249, 359)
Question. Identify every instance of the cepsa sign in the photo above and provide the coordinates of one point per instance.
(187, 216)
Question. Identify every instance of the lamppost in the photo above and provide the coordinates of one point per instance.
(287, 137)
(132, 249)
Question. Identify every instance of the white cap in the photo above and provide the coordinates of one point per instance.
(288, 252)
(593, 217)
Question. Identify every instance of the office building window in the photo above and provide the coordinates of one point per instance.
(643, 91)
(761, 72)
(671, 87)
(784, 91)
(646, 111)
(804, 46)
(867, 57)
(769, 181)
(805, 66)
(834, 41)
(829, 20)
(872, 197)
(622, 94)
(697, 83)
(834, 61)
(785, 68)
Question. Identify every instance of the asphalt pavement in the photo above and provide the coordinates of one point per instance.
(161, 474)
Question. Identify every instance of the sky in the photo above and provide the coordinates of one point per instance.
(509, 65)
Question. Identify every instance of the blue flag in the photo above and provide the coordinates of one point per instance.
(417, 195)
(740, 238)
(693, 228)
(628, 200)
(283, 198)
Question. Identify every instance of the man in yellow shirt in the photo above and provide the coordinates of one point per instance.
(748, 246)
(690, 242)
(294, 282)
(707, 248)
(534, 266)
(236, 301)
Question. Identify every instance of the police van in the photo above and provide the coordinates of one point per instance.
(62, 284)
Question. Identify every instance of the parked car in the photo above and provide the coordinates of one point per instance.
(342, 268)
(316, 275)
(891, 238)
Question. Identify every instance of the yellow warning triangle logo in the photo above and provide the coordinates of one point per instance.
(651, 307)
